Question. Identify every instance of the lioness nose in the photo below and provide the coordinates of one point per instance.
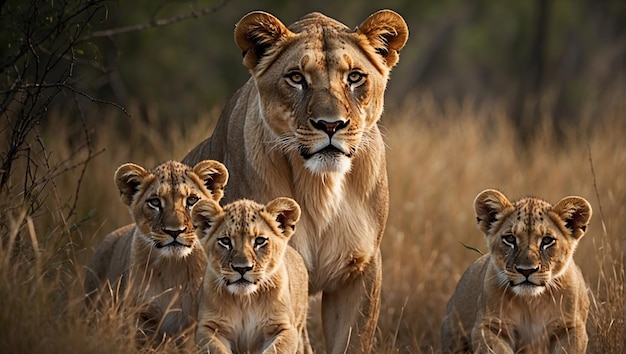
(241, 269)
(174, 233)
(526, 271)
(330, 128)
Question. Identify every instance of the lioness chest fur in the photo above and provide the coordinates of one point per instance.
(526, 295)
(154, 267)
(305, 126)
(255, 289)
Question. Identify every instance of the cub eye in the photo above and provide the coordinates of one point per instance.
(355, 77)
(260, 242)
(509, 239)
(154, 202)
(225, 242)
(191, 200)
(296, 78)
(547, 241)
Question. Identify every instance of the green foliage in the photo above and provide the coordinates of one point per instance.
(471, 248)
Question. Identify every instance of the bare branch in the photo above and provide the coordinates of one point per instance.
(73, 89)
(90, 155)
(155, 23)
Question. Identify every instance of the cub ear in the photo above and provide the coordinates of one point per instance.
(204, 215)
(255, 33)
(488, 206)
(286, 211)
(128, 178)
(387, 32)
(213, 175)
(575, 212)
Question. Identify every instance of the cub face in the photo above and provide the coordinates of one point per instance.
(245, 241)
(321, 84)
(160, 202)
(530, 241)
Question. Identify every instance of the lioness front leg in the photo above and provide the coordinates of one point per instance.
(209, 341)
(350, 313)
(286, 341)
(573, 340)
(487, 337)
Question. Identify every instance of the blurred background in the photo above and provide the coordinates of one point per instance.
(525, 96)
(530, 56)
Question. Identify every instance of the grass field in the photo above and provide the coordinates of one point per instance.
(439, 158)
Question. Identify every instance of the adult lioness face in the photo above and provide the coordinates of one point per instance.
(320, 84)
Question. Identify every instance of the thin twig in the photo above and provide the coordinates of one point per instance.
(76, 91)
(155, 22)
(88, 144)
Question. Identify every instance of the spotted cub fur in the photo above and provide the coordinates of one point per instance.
(526, 295)
(255, 291)
(154, 267)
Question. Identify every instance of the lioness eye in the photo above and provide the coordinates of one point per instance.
(225, 242)
(547, 241)
(509, 239)
(355, 77)
(191, 200)
(260, 242)
(154, 202)
(296, 78)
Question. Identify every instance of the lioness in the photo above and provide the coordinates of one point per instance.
(158, 263)
(305, 125)
(255, 289)
(526, 295)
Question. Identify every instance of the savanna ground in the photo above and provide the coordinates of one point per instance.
(439, 158)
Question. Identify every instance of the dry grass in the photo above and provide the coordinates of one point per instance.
(442, 162)
(439, 158)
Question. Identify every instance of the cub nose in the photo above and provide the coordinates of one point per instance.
(330, 128)
(526, 271)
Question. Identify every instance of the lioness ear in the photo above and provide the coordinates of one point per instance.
(488, 206)
(128, 178)
(213, 175)
(387, 32)
(204, 215)
(286, 211)
(575, 212)
(255, 33)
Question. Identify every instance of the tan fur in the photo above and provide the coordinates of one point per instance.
(140, 264)
(305, 126)
(255, 289)
(527, 295)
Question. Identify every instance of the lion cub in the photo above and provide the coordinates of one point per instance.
(255, 289)
(526, 295)
(155, 266)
